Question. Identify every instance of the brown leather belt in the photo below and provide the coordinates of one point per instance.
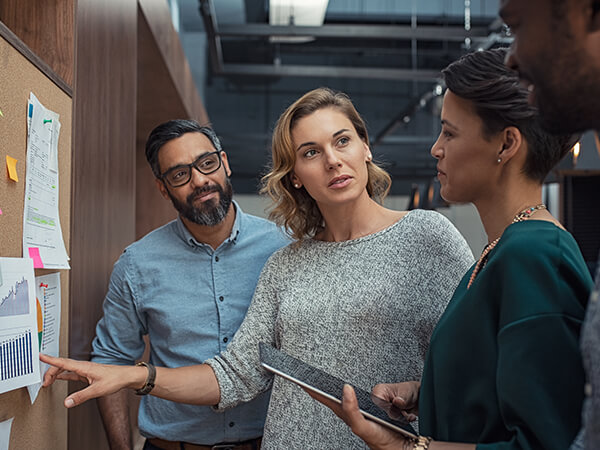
(252, 444)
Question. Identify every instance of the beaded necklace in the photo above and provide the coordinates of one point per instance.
(520, 217)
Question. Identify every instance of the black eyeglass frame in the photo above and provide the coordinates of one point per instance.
(191, 166)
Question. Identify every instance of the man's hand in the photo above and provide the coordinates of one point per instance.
(376, 436)
(103, 379)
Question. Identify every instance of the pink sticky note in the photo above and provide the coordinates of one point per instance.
(0, 212)
(34, 253)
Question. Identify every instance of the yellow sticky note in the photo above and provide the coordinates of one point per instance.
(1, 113)
(11, 165)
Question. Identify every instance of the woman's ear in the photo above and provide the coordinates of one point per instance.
(368, 154)
(295, 181)
(512, 141)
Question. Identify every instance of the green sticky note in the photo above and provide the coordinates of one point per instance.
(1, 114)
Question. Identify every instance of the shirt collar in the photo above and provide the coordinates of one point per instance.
(185, 234)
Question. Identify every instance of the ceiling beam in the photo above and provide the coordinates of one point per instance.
(376, 73)
(388, 32)
(214, 42)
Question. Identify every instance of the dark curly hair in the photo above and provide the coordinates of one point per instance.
(501, 101)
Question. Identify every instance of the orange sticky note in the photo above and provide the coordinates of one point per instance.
(34, 253)
(11, 165)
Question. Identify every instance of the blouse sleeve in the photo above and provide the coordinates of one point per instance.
(240, 376)
(445, 257)
(539, 371)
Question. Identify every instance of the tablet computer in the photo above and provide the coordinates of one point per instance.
(317, 380)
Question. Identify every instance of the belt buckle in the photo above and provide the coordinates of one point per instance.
(224, 447)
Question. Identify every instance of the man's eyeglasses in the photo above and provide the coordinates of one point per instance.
(205, 164)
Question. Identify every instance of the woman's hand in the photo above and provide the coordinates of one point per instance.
(103, 379)
(376, 436)
(403, 398)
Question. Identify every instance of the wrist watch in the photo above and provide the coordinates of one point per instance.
(149, 385)
(422, 443)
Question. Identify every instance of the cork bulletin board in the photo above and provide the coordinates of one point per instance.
(42, 425)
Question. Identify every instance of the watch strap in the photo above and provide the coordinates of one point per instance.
(149, 385)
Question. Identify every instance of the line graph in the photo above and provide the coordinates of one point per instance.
(16, 302)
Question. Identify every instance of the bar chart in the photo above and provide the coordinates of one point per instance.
(16, 356)
(19, 348)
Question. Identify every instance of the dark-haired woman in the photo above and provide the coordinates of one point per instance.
(335, 297)
(503, 369)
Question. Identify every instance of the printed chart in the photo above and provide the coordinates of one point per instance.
(16, 355)
(47, 289)
(16, 302)
(19, 348)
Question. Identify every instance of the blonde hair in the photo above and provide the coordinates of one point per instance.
(295, 209)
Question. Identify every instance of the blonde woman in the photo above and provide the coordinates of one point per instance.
(358, 294)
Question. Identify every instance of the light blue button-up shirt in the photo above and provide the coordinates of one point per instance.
(189, 300)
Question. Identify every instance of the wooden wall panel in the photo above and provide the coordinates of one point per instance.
(103, 215)
(165, 91)
(158, 19)
(46, 28)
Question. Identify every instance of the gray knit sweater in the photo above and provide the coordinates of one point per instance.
(362, 310)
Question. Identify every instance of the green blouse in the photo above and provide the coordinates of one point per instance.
(503, 368)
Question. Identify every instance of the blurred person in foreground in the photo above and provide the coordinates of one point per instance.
(556, 50)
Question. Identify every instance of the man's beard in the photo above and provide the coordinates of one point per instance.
(210, 212)
(565, 88)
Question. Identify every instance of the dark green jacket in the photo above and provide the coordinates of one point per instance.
(504, 368)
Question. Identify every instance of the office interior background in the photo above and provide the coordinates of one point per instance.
(128, 65)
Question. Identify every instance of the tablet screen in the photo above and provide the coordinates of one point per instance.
(323, 383)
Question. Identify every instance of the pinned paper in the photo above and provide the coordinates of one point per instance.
(11, 165)
(48, 321)
(34, 253)
(1, 113)
(41, 222)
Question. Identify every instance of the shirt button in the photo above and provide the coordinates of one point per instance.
(588, 389)
(221, 298)
(216, 258)
(231, 424)
(594, 296)
(225, 339)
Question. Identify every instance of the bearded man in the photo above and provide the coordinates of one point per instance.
(186, 285)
